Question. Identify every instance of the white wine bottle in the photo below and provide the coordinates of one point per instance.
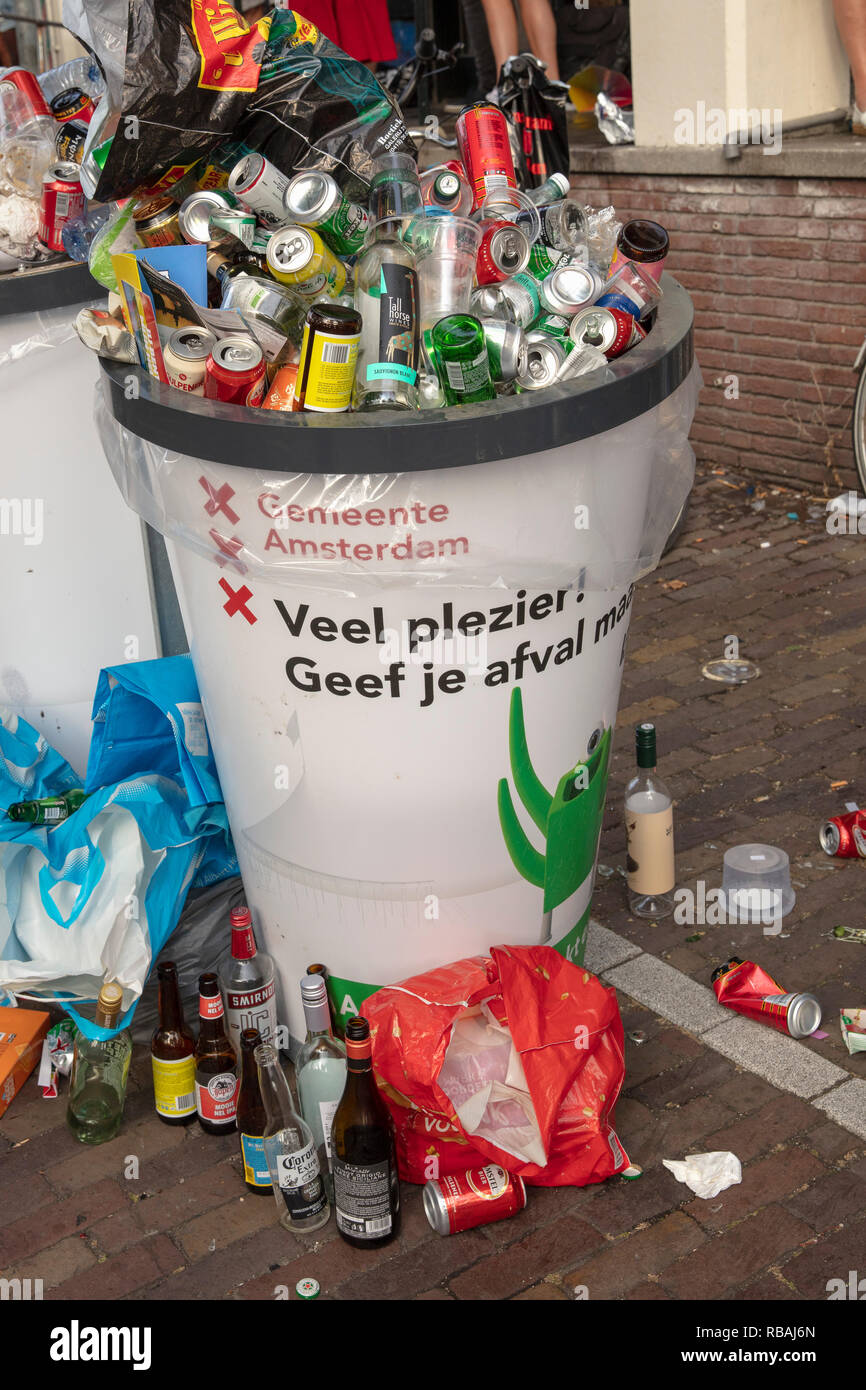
(649, 828)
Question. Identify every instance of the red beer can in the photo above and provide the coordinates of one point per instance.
(29, 88)
(743, 986)
(844, 837)
(460, 1201)
(613, 331)
(504, 251)
(482, 135)
(62, 200)
(235, 371)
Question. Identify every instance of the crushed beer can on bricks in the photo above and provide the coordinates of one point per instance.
(747, 989)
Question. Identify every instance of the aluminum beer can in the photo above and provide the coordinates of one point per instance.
(477, 1197)
(747, 989)
(261, 186)
(27, 84)
(520, 299)
(62, 200)
(610, 330)
(235, 371)
(504, 251)
(195, 212)
(485, 150)
(543, 259)
(185, 356)
(156, 222)
(506, 344)
(540, 363)
(72, 105)
(297, 256)
(314, 199)
(569, 288)
(844, 837)
(69, 142)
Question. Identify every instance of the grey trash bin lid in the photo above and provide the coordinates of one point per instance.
(406, 442)
(49, 287)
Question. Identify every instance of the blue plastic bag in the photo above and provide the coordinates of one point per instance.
(98, 895)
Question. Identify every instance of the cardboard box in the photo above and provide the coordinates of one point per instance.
(21, 1034)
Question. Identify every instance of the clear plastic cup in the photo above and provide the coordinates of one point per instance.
(636, 284)
(445, 248)
(511, 205)
(756, 881)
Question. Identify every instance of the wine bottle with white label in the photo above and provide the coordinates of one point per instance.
(366, 1185)
(289, 1149)
(320, 1070)
(649, 826)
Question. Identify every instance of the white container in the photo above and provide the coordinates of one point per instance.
(379, 829)
(72, 557)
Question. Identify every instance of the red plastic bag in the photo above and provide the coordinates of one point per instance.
(568, 1036)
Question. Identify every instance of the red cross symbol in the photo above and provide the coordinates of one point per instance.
(229, 548)
(237, 601)
(218, 500)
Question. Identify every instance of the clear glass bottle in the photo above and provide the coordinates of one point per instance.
(293, 1163)
(649, 825)
(100, 1068)
(248, 983)
(320, 1071)
(386, 291)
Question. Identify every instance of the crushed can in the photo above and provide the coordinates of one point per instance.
(743, 986)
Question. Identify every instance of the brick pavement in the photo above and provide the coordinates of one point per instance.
(751, 763)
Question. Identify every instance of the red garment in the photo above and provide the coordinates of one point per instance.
(360, 27)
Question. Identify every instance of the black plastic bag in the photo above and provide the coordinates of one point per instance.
(537, 109)
(196, 72)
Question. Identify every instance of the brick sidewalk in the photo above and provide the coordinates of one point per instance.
(752, 763)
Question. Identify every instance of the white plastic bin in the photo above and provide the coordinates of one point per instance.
(397, 805)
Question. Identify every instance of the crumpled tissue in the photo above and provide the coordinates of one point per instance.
(707, 1174)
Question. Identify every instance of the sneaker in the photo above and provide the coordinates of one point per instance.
(858, 120)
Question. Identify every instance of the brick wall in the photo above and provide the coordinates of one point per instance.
(777, 271)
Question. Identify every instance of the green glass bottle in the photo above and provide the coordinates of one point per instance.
(100, 1068)
(47, 810)
(461, 360)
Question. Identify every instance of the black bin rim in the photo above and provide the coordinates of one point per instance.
(47, 287)
(416, 441)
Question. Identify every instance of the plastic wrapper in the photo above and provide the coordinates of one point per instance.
(19, 223)
(615, 124)
(515, 1059)
(195, 74)
(633, 481)
(44, 331)
(602, 230)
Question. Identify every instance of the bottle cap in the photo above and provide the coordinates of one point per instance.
(314, 989)
(110, 998)
(645, 744)
(307, 1288)
(241, 916)
(243, 939)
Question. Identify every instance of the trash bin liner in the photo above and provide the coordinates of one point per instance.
(62, 526)
(409, 632)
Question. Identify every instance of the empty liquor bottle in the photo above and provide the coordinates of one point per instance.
(649, 825)
(366, 1186)
(100, 1067)
(247, 981)
(320, 1070)
(386, 292)
(460, 353)
(252, 1117)
(47, 810)
(172, 1054)
(292, 1159)
(216, 1080)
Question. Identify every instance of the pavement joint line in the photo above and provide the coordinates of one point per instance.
(782, 1061)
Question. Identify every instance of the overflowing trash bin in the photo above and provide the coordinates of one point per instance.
(408, 632)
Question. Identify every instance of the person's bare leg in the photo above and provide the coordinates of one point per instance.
(851, 23)
(502, 27)
(540, 26)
